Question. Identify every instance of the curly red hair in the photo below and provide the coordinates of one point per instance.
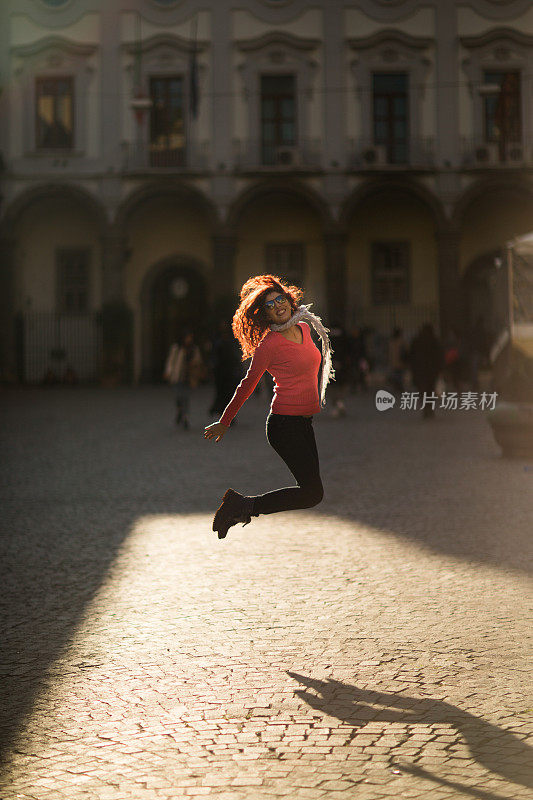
(250, 323)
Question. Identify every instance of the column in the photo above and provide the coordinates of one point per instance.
(8, 356)
(223, 276)
(117, 318)
(336, 276)
(221, 83)
(334, 84)
(110, 85)
(335, 101)
(447, 92)
(451, 301)
(114, 254)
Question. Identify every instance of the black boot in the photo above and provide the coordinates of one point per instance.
(233, 509)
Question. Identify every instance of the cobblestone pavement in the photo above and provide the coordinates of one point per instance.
(373, 647)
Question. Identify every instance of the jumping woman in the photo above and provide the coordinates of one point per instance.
(273, 328)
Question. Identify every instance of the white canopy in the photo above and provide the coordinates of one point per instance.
(523, 245)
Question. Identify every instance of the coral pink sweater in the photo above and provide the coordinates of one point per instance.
(294, 368)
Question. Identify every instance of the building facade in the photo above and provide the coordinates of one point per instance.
(156, 153)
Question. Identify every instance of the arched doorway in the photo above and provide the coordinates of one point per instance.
(174, 301)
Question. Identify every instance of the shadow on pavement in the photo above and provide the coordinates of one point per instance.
(494, 748)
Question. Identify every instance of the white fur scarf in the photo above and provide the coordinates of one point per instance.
(303, 313)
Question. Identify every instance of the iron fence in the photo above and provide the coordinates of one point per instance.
(412, 153)
(256, 154)
(408, 317)
(59, 347)
(480, 154)
(147, 157)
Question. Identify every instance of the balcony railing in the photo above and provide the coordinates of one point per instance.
(145, 157)
(418, 153)
(480, 154)
(255, 155)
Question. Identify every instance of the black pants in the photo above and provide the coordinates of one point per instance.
(293, 438)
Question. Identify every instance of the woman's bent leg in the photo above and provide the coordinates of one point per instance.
(293, 439)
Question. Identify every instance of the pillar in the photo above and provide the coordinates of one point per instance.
(8, 356)
(451, 301)
(223, 278)
(336, 277)
(117, 317)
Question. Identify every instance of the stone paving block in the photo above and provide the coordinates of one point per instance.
(389, 627)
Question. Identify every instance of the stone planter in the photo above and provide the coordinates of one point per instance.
(512, 428)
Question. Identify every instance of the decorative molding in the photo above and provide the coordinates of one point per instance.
(278, 13)
(390, 36)
(172, 41)
(54, 42)
(496, 36)
(499, 9)
(392, 10)
(278, 38)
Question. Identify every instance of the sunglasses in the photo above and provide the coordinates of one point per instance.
(277, 301)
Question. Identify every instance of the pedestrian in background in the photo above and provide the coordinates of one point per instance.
(397, 360)
(359, 364)
(227, 369)
(426, 359)
(184, 369)
(340, 348)
(273, 329)
(455, 362)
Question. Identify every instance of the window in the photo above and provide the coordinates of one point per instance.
(502, 110)
(55, 113)
(278, 118)
(167, 122)
(286, 259)
(390, 273)
(391, 114)
(72, 279)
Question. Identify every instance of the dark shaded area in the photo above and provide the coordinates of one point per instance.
(494, 748)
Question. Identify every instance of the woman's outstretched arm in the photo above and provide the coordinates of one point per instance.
(260, 362)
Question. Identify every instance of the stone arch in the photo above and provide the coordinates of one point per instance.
(511, 185)
(46, 191)
(166, 189)
(397, 187)
(489, 213)
(296, 189)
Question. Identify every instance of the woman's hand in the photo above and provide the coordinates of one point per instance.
(215, 431)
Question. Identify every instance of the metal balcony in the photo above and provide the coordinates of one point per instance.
(257, 156)
(366, 155)
(145, 157)
(479, 154)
